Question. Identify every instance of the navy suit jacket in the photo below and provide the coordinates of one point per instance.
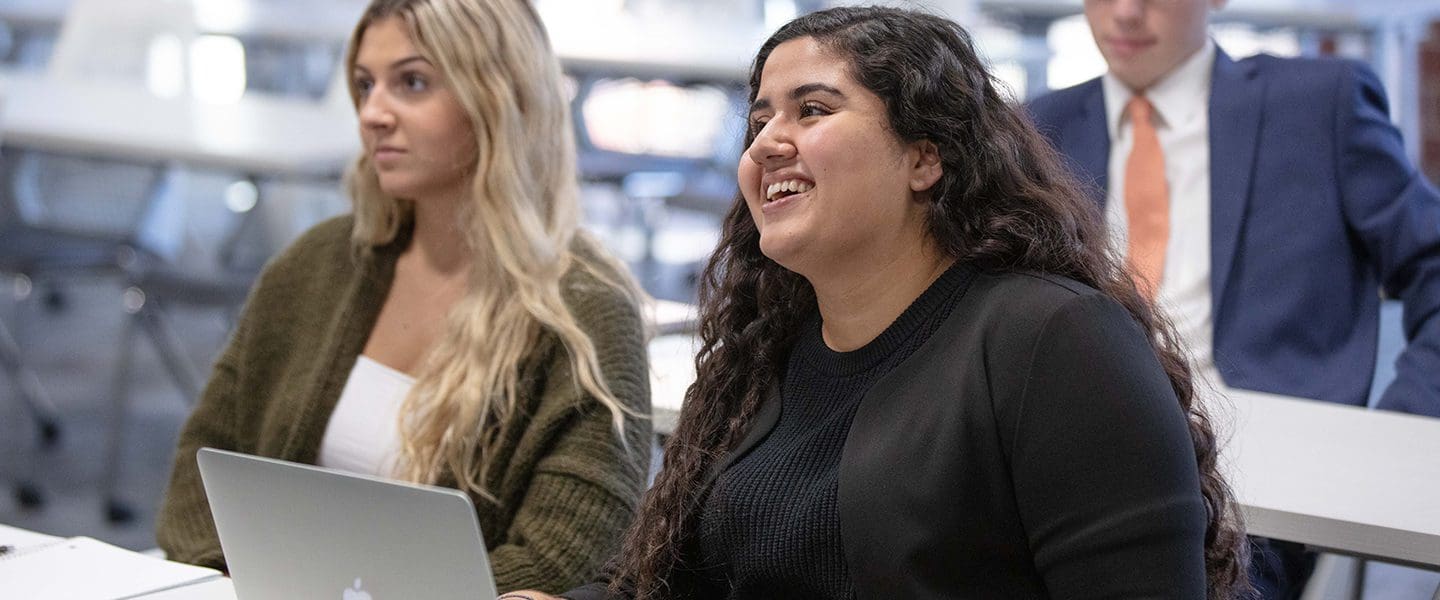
(1314, 210)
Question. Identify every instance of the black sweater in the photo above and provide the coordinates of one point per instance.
(1031, 448)
(771, 525)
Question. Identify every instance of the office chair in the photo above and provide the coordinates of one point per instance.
(69, 216)
(152, 288)
(39, 249)
(32, 397)
(23, 380)
(155, 287)
(140, 41)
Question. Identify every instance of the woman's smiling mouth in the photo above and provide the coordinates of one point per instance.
(782, 189)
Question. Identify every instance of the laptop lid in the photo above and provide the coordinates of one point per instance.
(300, 531)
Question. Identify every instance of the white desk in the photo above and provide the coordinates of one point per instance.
(672, 370)
(719, 53)
(1340, 478)
(213, 589)
(258, 135)
(303, 21)
(668, 317)
(308, 21)
(23, 538)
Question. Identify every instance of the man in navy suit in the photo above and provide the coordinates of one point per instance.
(1286, 207)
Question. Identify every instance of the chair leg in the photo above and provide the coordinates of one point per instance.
(1357, 582)
(28, 388)
(148, 316)
(26, 493)
(28, 496)
(32, 398)
(171, 351)
(116, 510)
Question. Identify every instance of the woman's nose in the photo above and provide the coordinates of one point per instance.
(772, 145)
(375, 113)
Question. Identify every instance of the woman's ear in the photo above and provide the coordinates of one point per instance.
(925, 167)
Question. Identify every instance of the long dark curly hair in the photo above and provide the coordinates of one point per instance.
(1005, 202)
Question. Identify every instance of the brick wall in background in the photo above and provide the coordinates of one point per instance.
(1430, 103)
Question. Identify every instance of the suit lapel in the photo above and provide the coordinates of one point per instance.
(1087, 142)
(1236, 94)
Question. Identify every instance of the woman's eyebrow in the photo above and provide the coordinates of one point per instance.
(798, 93)
(409, 59)
(397, 64)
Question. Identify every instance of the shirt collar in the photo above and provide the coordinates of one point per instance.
(1178, 97)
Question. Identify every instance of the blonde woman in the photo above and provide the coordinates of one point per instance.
(457, 329)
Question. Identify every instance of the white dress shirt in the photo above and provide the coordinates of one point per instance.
(363, 435)
(1181, 100)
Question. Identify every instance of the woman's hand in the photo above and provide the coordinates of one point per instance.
(527, 595)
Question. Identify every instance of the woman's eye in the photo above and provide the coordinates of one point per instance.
(812, 110)
(363, 85)
(415, 83)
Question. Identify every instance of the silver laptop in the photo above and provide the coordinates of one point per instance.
(298, 531)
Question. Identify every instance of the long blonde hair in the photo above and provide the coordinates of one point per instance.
(521, 224)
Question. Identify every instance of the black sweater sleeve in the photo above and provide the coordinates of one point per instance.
(1103, 467)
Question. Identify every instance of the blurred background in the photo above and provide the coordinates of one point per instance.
(155, 153)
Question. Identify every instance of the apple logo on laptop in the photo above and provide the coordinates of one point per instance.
(355, 593)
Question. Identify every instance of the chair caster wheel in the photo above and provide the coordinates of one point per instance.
(49, 433)
(29, 496)
(118, 513)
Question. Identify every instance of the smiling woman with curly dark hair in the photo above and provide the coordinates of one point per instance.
(923, 372)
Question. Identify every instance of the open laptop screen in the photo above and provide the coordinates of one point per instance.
(298, 531)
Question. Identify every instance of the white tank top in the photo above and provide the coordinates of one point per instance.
(363, 435)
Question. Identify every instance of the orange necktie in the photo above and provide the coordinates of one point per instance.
(1147, 199)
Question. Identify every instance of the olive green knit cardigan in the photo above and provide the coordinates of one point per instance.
(566, 486)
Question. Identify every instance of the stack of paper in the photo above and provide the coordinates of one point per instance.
(82, 568)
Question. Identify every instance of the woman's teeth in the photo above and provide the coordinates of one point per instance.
(780, 188)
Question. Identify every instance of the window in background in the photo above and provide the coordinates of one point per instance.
(570, 86)
(1074, 58)
(656, 117)
(7, 42)
(217, 68)
(1002, 49)
(164, 68)
(1012, 78)
(779, 12)
(1241, 40)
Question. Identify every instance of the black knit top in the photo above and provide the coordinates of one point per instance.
(771, 525)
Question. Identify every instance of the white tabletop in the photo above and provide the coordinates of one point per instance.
(24, 538)
(672, 370)
(669, 317)
(214, 589)
(632, 45)
(1337, 477)
(211, 589)
(258, 134)
(321, 21)
(293, 20)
